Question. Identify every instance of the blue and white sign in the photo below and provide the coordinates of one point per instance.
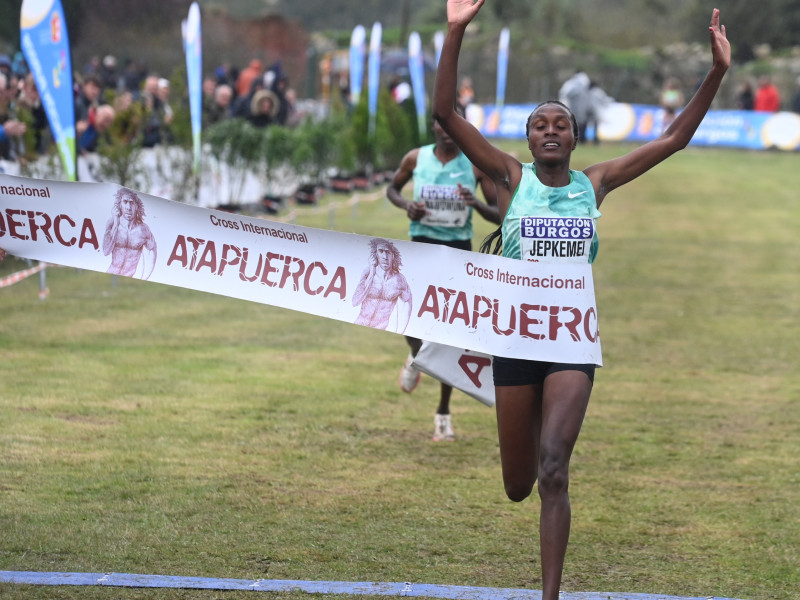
(374, 67)
(357, 54)
(416, 68)
(45, 43)
(193, 46)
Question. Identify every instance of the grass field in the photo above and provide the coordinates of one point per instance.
(150, 429)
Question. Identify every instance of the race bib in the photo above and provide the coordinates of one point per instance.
(556, 239)
(444, 205)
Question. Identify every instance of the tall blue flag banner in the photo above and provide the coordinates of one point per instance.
(45, 42)
(374, 74)
(502, 67)
(357, 53)
(193, 46)
(416, 68)
(493, 122)
(438, 42)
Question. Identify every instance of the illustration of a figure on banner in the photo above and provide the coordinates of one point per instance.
(128, 239)
(382, 291)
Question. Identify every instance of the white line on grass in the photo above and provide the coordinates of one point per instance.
(407, 589)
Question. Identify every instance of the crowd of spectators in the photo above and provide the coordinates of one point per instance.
(107, 95)
(139, 101)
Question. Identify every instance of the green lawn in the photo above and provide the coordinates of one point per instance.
(150, 429)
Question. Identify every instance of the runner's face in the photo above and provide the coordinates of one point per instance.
(440, 135)
(550, 135)
(385, 257)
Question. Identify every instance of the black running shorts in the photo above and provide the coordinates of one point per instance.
(517, 371)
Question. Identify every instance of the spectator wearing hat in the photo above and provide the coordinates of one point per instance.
(264, 108)
(108, 73)
(242, 104)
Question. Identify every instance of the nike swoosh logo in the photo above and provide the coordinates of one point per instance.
(575, 195)
(459, 174)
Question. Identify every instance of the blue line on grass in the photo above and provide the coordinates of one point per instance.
(412, 590)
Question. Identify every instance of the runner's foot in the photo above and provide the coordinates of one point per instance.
(443, 429)
(409, 376)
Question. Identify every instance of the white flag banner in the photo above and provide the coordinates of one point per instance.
(489, 304)
(465, 370)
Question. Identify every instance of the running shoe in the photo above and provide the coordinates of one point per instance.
(443, 429)
(409, 376)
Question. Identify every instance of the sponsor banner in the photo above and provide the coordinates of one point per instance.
(45, 43)
(488, 304)
(465, 370)
(193, 46)
(622, 122)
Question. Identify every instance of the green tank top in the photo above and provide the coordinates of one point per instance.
(436, 185)
(549, 224)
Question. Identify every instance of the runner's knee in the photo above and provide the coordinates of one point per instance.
(553, 475)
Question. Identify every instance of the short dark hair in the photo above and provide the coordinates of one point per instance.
(572, 118)
(92, 78)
